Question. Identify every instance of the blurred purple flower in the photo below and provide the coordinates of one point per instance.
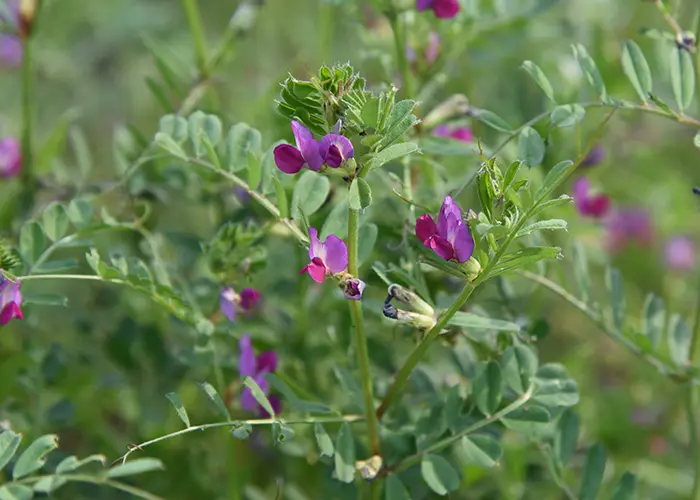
(242, 194)
(256, 367)
(249, 298)
(463, 134)
(628, 224)
(327, 257)
(588, 204)
(229, 301)
(335, 149)
(450, 238)
(290, 159)
(354, 288)
(11, 50)
(431, 50)
(443, 9)
(10, 301)
(595, 156)
(680, 253)
(10, 157)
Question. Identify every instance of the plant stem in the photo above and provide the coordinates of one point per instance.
(399, 32)
(417, 354)
(101, 481)
(26, 200)
(194, 20)
(691, 406)
(237, 423)
(360, 337)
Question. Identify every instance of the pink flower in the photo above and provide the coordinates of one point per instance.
(450, 238)
(443, 9)
(10, 301)
(680, 253)
(10, 157)
(327, 257)
(587, 203)
(463, 134)
(628, 224)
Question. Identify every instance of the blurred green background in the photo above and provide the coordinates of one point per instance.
(96, 372)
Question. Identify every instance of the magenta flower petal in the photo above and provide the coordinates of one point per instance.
(266, 362)
(586, 203)
(680, 253)
(227, 303)
(446, 9)
(463, 134)
(288, 159)
(449, 211)
(336, 254)
(246, 360)
(10, 312)
(316, 269)
(335, 149)
(249, 298)
(598, 206)
(422, 5)
(441, 247)
(463, 243)
(307, 145)
(425, 229)
(316, 247)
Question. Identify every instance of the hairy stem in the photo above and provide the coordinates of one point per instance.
(194, 20)
(360, 337)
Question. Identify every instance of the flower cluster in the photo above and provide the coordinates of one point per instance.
(450, 237)
(230, 301)
(332, 150)
(10, 157)
(256, 367)
(443, 9)
(10, 301)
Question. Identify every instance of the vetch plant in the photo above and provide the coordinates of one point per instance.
(444, 362)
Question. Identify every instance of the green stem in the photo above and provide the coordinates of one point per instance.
(444, 443)
(84, 478)
(194, 20)
(262, 421)
(417, 354)
(360, 337)
(26, 199)
(691, 406)
(399, 31)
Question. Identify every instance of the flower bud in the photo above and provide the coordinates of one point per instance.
(353, 289)
(408, 297)
(472, 268)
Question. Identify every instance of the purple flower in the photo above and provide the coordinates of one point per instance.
(11, 50)
(229, 301)
(335, 149)
(588, 204)
(680, 253)
(443, 9)
(291, 160)
(430, 53)
(463, 134)
(249, 298)
(327, 257)
(450, 238)
(595, 156)
(256, 367)
(10, 301)
(628, 224)
(354, 288)
(10, 157)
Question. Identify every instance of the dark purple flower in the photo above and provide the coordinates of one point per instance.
(256, 367)
(463, 134)
(588, 204)
(595, 156)
(249, 298)
(450, 238)
(628, 224)
(354, 288)
(327, 257)
(443, 9)
(680, 253)
(10, 301)
(335, 149)
(227, 303)
(291, 160)
(10, 157)
(11, 50)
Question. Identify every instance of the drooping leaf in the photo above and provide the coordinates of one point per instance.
(592, 475)
(482, 450)
(360, 194)
(240, 142)
(566, 438)
(519, 367)
(626, 487)
(682, 77)
(487, 387)
(323, 440)
(492, 120)
(137, 466)
(552, 180)
(590, 70)
(215, 398)
(540, 79)
(34, 457)
(55, 221)
(530, 147)
(439, 474)
(309, 194)
(179, 407)
(32, 241)
(679, 341)
(636, 68)
(345, 455)
(613, 280)
(9, 442)
(653, 318)
(259, 395)
(567, 115)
